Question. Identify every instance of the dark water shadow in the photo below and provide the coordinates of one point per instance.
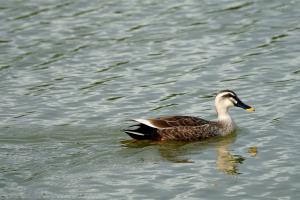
(178, 152)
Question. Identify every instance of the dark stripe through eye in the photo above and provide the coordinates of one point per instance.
(228, 95)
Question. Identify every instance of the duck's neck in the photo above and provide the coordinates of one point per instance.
(225, 120)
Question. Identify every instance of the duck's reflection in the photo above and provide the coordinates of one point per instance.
(226, 161)
(178, 152)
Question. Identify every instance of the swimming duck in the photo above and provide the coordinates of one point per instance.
(187, 128)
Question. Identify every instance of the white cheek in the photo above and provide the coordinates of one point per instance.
(229, 103)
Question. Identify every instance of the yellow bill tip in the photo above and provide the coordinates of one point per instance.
(250, 109)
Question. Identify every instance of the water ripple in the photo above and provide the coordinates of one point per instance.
(72, 73)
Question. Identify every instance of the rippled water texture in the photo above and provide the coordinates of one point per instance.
(73, 72)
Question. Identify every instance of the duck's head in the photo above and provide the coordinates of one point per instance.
(227, 98)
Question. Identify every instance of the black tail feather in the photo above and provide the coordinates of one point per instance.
(142, 132)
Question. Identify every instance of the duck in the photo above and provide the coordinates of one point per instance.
(189, 128)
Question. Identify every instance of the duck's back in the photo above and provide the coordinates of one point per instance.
(174, 121)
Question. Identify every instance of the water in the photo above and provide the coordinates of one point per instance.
(73, 72)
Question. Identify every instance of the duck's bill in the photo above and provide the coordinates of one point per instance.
(244, 106)
(251, 109)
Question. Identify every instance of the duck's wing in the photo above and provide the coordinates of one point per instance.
(172, 121)
(169, 128)
(189, 133)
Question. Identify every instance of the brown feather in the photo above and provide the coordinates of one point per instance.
(189, 133)
(173, 121)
